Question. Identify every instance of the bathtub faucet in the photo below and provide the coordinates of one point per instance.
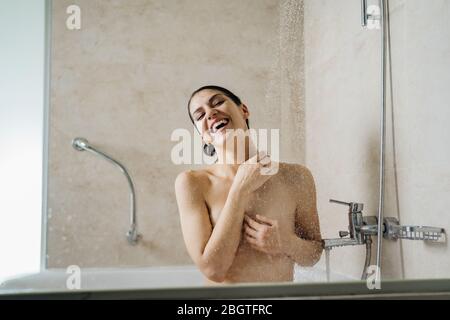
(360, 232)
(360, 228)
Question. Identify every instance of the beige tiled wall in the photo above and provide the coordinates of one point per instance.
(342, 67)
(419, 109)
(123, 82)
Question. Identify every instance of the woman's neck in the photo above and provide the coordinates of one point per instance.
(231, 156)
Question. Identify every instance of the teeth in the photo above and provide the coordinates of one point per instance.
(219, 123)
(223, 121)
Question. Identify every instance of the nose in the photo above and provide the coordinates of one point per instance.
(210, 113)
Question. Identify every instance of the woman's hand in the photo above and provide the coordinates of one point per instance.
(264, 235)
(250, 175)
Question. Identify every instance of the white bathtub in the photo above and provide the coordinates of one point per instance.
(134, 278)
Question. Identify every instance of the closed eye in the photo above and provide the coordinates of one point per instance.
(199, 118)
(218, 103)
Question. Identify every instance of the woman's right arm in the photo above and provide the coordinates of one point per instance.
(212, 249)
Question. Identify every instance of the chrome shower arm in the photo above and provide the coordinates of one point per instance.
(82, 144)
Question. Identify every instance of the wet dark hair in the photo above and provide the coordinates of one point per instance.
(209, 149)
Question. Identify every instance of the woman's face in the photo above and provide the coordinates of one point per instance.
(215, 114)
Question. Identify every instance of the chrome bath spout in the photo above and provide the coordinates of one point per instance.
(82, 144)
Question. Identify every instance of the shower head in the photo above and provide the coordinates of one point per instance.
(80, 144)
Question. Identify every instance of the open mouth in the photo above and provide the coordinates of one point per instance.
(216, 127)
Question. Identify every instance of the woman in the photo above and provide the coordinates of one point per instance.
(240, 225)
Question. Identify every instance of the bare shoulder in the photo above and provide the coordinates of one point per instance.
(293, 169)
(192, 180)
(296, 174)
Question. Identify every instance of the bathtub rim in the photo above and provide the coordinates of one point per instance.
(89, 273)
(418, 288)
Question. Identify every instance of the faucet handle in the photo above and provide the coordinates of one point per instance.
(354, 206)
(340, 202)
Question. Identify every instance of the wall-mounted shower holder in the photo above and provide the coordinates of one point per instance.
(369, 16)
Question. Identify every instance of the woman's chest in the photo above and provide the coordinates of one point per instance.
(273, 200)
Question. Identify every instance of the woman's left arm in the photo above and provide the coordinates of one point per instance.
(305, 245)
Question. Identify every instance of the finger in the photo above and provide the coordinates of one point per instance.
(246, 223)
(253, 160)
(266, 165)
(266, 220)
(261, 155)
(265, 161)
(253, 223)
(252, 241)
(270, 170)
(252, 233)
(250, 222)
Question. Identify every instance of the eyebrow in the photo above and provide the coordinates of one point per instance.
(209, 101)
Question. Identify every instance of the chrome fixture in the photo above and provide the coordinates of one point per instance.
(82, 144)
(383, 17)
(383, 14)
(365, 16)
(393, 231)
(364, 13)
(361, 229)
